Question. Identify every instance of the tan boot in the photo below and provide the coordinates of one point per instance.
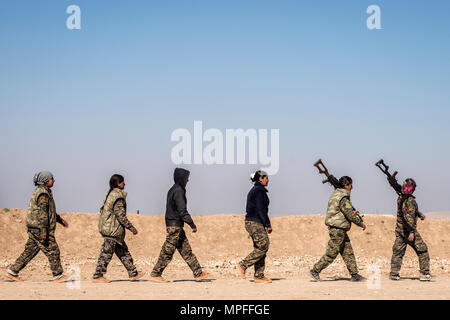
(425, 277)
(138, 276)
(263, 280)
(204, 275)
(100, 280)
(62, 279)
(240, 270)
(158, 279)
(13, 277)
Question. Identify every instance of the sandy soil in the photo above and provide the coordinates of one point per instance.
(231, 289)
(296, 243)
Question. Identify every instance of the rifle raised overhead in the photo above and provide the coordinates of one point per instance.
(323, 170)
(330, 179)
(391, 177)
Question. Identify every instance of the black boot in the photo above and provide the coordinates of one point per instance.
(314, 274)
(394, 277)
(357, 278)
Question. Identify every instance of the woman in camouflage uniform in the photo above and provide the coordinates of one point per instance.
(339, 219)
(41, 224)
(406, 231)
(111, 225)
(176, 240)
(257, 224)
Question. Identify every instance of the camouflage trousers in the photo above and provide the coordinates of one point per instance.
(34, 244)
(339, 244)
(107, 251)
(261, 242)
(176, 240)
(399, 249)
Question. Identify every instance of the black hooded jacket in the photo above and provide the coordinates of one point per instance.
(176, 208)
(258, 205)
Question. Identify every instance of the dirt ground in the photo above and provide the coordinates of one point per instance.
(231, 289)
(297, 242)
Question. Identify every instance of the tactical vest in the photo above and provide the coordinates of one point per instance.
(335, 217)
(108, 225)
(401, 221)
(34, 211)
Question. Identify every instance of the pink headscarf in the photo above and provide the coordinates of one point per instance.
(408, 188)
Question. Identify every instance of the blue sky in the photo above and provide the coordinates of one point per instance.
(88, 103)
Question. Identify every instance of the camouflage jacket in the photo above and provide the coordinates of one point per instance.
(41, 212)
(340, 213)
(113, 220)
(407, 221)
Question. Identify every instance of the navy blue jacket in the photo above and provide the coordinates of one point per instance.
(258, 205)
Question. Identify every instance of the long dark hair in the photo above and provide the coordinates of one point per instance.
(114, 182)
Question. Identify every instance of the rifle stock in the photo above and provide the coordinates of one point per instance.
(391, 177)
(385, 168)
(330, 179)
(323, 170)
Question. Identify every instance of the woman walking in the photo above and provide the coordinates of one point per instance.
(111, 225)
(41, 224)
(257, 224)
(406, 232)
(176, 240)
(339, 219)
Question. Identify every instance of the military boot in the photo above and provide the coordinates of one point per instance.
(158, 279)
(60, 279)
(13, 277)
(357, 278)
(425, 277)
(394, 277)
(314, 274)
(100, 280)
(240, 269)
(201, 277)
(138, 276)
(262, 280)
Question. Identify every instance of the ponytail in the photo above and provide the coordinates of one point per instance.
(114, 182)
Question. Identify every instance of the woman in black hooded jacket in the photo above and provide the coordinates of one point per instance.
(176, 216)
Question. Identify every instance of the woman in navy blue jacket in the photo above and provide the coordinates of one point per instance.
(257, 224)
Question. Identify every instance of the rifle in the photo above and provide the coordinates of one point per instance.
(391, 177)
(323, 170)
(331, 179)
